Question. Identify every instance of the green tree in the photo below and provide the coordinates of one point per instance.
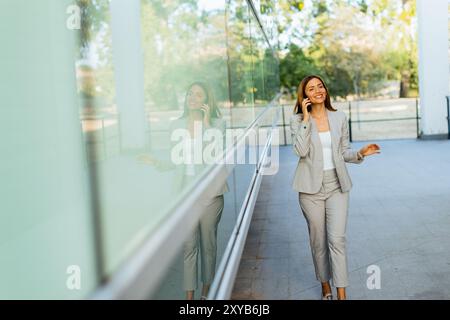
(348, 43)
(356, 45)
(295, 66)
(397, 20)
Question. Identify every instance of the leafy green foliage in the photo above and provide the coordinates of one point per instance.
(355, 45)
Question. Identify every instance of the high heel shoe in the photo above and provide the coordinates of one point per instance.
(327, 296)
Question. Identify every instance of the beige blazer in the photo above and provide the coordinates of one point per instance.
(307, 145)
(181, 180)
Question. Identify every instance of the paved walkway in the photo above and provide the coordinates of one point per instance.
(399, 220)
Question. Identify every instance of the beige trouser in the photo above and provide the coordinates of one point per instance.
(203, 240)
(326, 215)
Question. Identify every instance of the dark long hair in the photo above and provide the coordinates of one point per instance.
(301, 94)
(210, 100)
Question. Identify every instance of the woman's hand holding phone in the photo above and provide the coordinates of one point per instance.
(206, 114)
(305, 104)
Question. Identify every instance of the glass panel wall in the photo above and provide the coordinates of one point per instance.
(47, 247)
(119, 128)
(248, 58)
(186, 85)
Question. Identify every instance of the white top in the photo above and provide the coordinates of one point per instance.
(325, 138)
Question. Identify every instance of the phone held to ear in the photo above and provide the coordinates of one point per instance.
(309, 105)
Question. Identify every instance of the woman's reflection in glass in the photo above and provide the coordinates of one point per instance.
(200, 107)
(200, 111)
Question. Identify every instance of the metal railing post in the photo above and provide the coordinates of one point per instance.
(417, 117)
(284, 125)
(448, 117)
(350, 120)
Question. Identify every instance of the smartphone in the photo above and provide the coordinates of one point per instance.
(309, 106)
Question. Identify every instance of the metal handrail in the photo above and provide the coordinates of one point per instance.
(448, 116)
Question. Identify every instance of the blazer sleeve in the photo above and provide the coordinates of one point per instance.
(348, 153)
(301, 135)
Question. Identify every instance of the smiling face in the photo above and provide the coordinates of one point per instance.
(315, 91)
(196, 97)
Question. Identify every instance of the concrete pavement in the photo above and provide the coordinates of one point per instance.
(399, 220)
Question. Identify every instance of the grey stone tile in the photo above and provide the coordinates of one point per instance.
(312, 293)
(259, 214)
(249, 269)
(298, 285)
(250, 251)
(275, 288)
(279, 224)
(242, 289)
(258, 224)
(253, 237)
(302, 271)
(357, 285)
(274, 236)
(299, 251)
(273, 250)
(299, 235)
(273, 268)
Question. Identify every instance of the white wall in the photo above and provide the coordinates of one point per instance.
(433, 66)
(129, 71)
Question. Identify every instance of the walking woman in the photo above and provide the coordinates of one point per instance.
(321, 140)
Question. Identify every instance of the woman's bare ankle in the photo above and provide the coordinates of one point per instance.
(205, 290)
(341, 295)
(190, 295)
(326, 288)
